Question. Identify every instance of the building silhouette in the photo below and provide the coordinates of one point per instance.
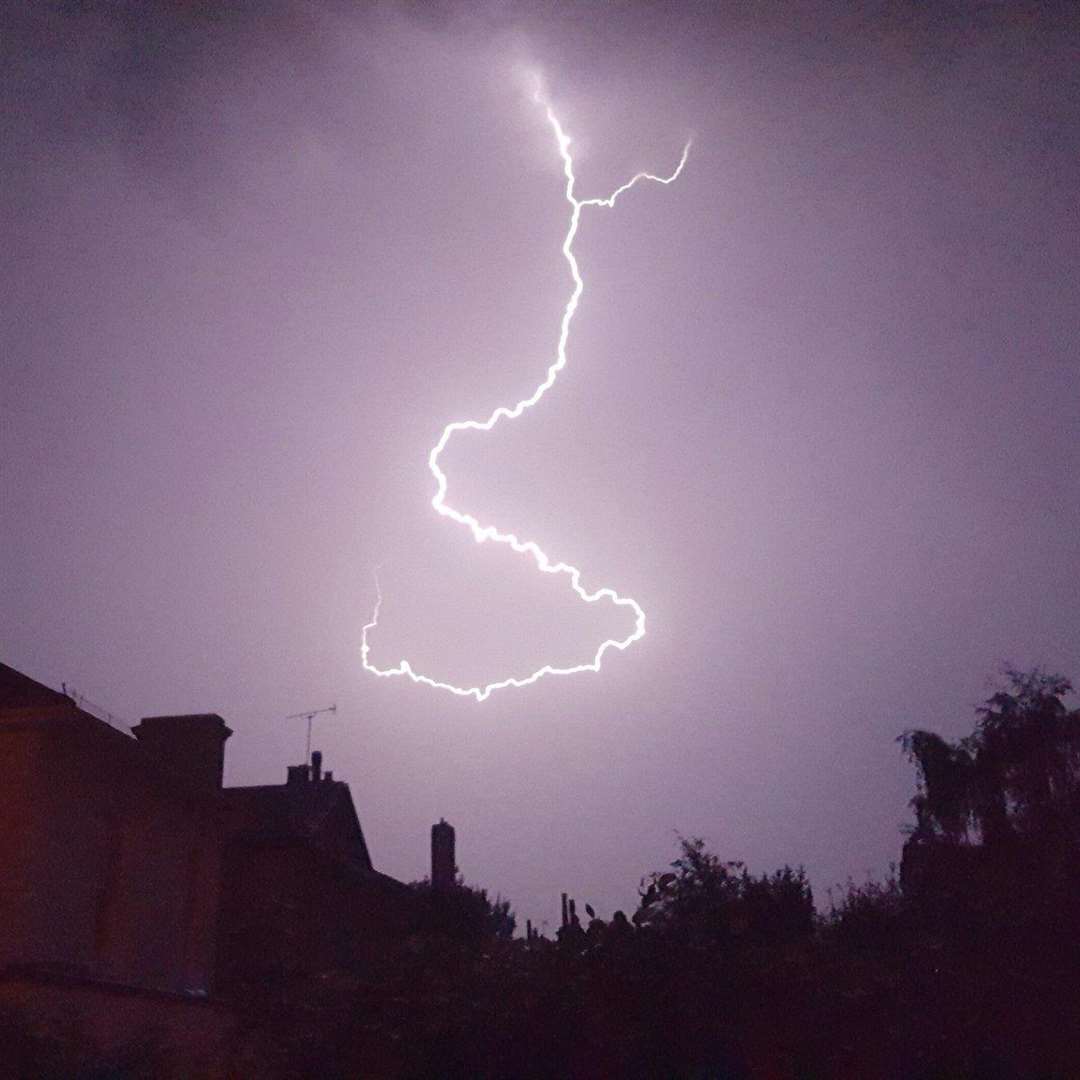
(124, 861)
(299, 892)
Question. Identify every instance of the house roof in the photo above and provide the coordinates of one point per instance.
(283, 811)
(19, 691)
(24, 700)
(317, 813)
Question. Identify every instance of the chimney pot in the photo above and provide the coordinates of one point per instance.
(316, 765)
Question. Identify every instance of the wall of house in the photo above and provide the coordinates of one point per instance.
(286, 907)
(113, 865)
(19, 757)
(117, 869)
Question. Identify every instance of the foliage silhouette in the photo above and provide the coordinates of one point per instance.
(721, 901)
(463, 912)
(1016, 776)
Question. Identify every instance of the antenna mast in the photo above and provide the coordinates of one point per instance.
(309, 717)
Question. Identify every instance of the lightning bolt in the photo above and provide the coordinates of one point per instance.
(481, 533)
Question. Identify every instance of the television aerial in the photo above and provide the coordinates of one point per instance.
(310, 717)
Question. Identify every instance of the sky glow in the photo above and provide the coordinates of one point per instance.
(814, 417)
(482, 533)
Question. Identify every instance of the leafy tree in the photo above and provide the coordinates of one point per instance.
(869, 917)
(1016, 776)
(993, 862)
(463, 912)
(708, 898)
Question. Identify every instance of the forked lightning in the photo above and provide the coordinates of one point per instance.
(489, 532)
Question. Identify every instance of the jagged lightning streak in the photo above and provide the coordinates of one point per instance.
(482, 533)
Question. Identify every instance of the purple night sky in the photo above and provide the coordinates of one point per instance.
(820, 416)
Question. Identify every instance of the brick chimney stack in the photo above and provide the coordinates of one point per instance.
(191, 748)
(443, 866)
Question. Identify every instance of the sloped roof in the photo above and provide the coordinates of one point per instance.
(319, 813)
(283, 811)
(19, 691)
(26, 700)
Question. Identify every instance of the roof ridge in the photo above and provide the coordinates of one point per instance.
(18, 691)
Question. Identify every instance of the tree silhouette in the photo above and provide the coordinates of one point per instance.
(464, 912)
(1016, 776)
(708, 898)
(993, 862)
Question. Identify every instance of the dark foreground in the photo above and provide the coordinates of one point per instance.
(965, 965)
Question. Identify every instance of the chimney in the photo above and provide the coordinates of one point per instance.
(316, 765)
(296, 774)
(191, 748)
(443, 866)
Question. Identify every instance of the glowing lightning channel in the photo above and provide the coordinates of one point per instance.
(489, 532)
